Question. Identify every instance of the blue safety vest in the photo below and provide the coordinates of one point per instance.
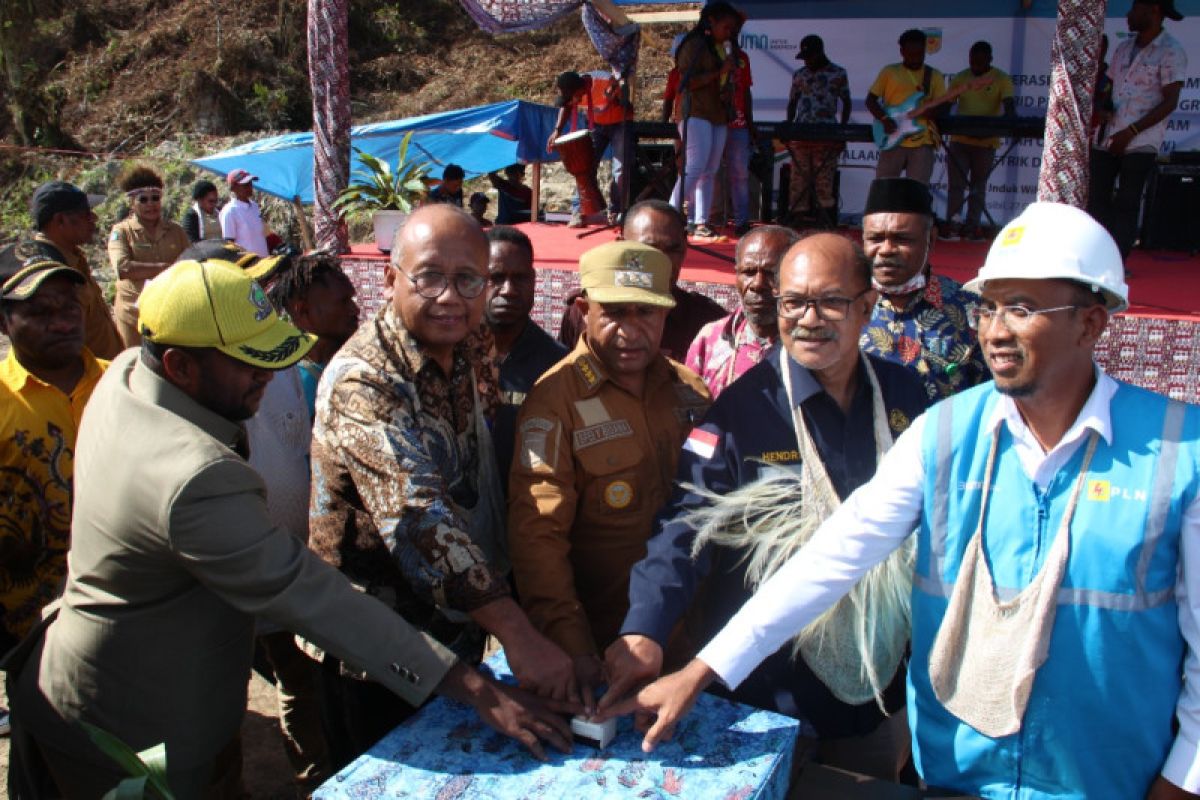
(1098, 722)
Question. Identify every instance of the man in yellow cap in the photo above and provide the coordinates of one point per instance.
(598, 438)
(173, 555)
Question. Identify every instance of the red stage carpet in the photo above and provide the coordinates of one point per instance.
(1155, 344)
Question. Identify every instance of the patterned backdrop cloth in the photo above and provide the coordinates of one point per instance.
(721, 750)
(511, 16)
(1153, 352)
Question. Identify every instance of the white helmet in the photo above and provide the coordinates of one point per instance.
(1053, 240)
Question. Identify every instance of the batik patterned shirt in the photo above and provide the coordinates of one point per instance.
(395, 460)
(930, 336)
(816, 93)
(38, 425)
(724, 349)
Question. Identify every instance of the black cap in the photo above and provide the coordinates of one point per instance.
(898, 196)
(24, 266)
(56, 197)
(811, 45)
(1167, 6)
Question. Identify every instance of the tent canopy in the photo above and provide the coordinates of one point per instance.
(480, 140)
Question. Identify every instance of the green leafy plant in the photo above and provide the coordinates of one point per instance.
(147, 769)
(381, 188)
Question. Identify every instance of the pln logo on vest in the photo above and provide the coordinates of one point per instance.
(1102, 491)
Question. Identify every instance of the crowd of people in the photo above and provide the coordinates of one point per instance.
(915, 515)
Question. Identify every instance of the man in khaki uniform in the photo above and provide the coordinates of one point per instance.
(65, 220)
(173, 554)
(597, 442)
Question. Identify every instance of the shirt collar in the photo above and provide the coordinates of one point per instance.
(591, 373)
(1096, 414)
(16, 377)
(145, 383)
(804, 384)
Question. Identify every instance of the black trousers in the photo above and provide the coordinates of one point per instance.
(1118, 210)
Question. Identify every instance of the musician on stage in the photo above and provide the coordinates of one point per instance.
(971, 157)
(604, 98)
(895, 84)
(817, 89)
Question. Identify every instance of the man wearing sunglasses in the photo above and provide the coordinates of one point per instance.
(406, 495)
(793, 436)
(1056, 520)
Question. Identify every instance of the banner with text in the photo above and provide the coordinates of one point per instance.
(1021, 47)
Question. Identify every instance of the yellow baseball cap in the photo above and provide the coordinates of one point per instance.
(627, 272)
(215, 304)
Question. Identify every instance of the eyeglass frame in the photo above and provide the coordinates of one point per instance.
(815, 304)
(976, 315)
(445, 281)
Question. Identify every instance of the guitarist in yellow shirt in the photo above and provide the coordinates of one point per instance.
(898, 85)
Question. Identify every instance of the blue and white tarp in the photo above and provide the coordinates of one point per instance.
(479, 140)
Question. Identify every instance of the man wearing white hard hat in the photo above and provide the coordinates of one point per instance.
(1056, 518)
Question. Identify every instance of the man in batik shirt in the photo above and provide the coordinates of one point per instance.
(817, 89)
(920, 320)
(727, 347)
(406, 496)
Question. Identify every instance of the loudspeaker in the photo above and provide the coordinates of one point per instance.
(1174, 209)
(653, 174)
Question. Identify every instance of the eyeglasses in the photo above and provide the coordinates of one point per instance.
(149, 198)
(430, 285)
(1015, 318)
(830, 309)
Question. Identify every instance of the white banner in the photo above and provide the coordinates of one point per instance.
(1021, 47)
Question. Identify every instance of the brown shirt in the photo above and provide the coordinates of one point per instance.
(131, 241)
(100, 333)
(593, 466)
(696, 57)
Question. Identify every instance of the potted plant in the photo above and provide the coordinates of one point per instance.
(388, 195)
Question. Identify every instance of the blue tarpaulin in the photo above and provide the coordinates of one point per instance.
(480, 139)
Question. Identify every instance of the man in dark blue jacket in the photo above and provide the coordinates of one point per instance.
(816, 394)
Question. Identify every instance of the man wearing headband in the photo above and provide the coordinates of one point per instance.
(1055, 515)
(45, 381)
(173, 554)
(920, 320)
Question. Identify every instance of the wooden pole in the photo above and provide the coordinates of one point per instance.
(305, 234)
(536, 185)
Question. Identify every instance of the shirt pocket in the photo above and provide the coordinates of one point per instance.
(614, 486)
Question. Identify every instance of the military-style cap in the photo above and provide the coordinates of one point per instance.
(25, 266)
(216, 304)
(898, 196)
(626, 272)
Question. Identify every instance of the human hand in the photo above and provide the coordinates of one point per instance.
(629, 662)
(550, 142)
(1163, 789)
(1119, 141)
(659, 707)
(889, 125)
(513, 712)
(589, 673)
(541, 666)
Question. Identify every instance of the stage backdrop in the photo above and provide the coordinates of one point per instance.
(1022, 48)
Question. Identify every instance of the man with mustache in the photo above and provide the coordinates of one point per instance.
(794, 435)
(598, 439)
(522, 349)
(920, 320)
(727, 347)
(1056, 519)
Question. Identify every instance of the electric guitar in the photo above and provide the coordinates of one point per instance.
(907, 115)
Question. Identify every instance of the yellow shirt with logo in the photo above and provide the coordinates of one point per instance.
(38, 426)
(593, 464)
(896, 83)
(985, 102)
